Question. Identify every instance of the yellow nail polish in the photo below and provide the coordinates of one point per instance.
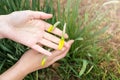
(50, 29)
(43, 61)
(61, 43)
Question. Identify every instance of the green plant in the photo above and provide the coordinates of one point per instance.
(83, 58)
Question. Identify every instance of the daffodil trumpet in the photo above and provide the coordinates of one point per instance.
(52, 27)
(62, 40)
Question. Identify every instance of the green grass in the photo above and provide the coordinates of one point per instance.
(82, 61)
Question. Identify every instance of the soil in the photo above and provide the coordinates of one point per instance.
(113, 20)
(112, 46)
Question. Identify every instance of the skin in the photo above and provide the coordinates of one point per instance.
(29, 29)
(18, 71)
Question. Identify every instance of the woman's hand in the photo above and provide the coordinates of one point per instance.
(1, 36)
(28, 28)
(31, 61)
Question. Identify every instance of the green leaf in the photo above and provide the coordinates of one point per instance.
(5, 48)
(89, 70)
(1, 65)
(86, 17)
(79, 39)
(11, 57)
(85, 63)
(97, 33)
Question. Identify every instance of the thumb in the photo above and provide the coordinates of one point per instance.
(62, 54)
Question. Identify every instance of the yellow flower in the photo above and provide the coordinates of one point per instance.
(52, 27)
(62, 40)
(61, 43)
(43, 60)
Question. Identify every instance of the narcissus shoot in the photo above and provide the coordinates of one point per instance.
(52, 27)
(62, 40)
(43, 60)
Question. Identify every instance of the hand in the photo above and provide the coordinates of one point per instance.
(27, 28)
(20, 17)
(31, 61)
(35, 58)
(1, 36)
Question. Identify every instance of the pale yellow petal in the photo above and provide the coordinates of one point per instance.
(43, 61)
(61, 44)
(50, 29)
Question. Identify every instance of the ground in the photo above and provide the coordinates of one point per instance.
(112, 45)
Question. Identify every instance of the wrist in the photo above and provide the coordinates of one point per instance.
(1, 36)
(16, 72)
(2, 29)
(5, 30)
(3, 24)
(4, 18)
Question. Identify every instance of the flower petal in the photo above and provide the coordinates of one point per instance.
(61, 43)
(50, 29)
(43, 61)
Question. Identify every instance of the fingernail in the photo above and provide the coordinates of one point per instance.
(66, 36)
(72, 41)
(66, 45)
(51, 15)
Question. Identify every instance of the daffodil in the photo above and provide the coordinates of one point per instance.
(43, 60)
(62, 40)
(61, 43)
(52, 27)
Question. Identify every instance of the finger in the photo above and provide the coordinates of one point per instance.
(58, 52)
(62, 55)
(41, 50)
(53, 38)
(65, 51)
(56, 31)
(41, 15)
(57, 57)
(48, 44)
